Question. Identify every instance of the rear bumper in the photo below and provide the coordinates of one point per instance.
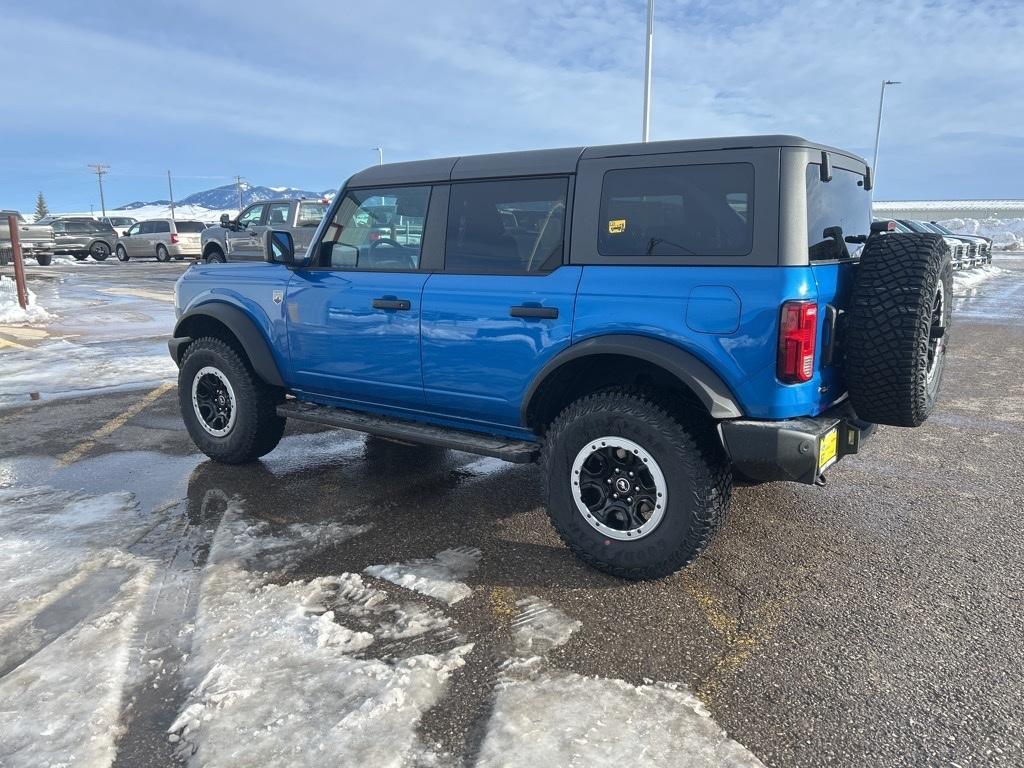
(790, 449)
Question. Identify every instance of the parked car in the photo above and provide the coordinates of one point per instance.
(957, 248)
(36, 239)
(241, 238)
(971, 256)
(652, 322)
(162, 239)
(83, 237)
(984, 243)
(120, 223)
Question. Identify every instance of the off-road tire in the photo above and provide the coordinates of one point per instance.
(162, 255)
(44, 259)
(696, 473)
(257, 428)
(121, 253)
(889, 328)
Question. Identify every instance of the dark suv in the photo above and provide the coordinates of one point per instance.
(651, 321)
(83, 237)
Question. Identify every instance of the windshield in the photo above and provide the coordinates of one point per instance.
(842, 202)
(916, 226)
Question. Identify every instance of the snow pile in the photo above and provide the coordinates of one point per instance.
(540, 626)
(1006, 234)
(285, 673)
(559, 718)
(11, 312)
(439, 577)
(970, 278)
(69, 603)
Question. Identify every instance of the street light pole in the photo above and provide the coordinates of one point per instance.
(170, 192)
(380, 155)
(878, 128)
(99, 170)
(647, 70)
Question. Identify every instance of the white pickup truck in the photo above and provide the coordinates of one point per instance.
(36, 239)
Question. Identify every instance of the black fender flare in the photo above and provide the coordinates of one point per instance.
(705, 383)
(255, 344)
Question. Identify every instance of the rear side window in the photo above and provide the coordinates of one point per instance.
(310, 214)
(189, 227)
(507, 226)
(682, 210)
(278, 214)
(376, 229)
(160, 227)
(842, 202)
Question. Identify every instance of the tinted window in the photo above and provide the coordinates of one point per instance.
(376, 229)
(506, 226)
(189, 227)
(683, 210)
(278, 214)
(842, 202)
(79, 227)
(160, 227)
(310, 214)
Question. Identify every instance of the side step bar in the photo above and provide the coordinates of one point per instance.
(505, 448)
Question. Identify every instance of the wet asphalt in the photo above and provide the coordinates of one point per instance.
(876, 621)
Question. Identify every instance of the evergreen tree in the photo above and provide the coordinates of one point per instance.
(41, 209)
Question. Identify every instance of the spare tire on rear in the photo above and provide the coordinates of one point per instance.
(897, 328)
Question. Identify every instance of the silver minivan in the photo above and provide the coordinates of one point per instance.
(163, 239)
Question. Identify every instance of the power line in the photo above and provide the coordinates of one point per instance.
(100, 169)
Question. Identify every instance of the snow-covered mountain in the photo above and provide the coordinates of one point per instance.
(226, 197)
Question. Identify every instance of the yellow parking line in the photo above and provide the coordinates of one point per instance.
(114, 424)
(8, 343)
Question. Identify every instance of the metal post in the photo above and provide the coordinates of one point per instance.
(380, 155)
(238, 187)
(99, 170)
(878, 129)
(19, 267)
(647, 70)
(170, 192)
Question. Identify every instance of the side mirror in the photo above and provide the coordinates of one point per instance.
(125, 233)
(279, 247)
(225, 220)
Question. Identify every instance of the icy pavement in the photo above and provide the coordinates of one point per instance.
(970, 278)
(439, 577)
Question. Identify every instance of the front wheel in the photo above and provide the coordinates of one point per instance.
(630, 489)
(121, 253)
(44, 259)
(229, 412)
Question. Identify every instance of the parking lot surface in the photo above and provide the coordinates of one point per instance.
(354, 601)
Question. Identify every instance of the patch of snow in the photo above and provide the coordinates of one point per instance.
(11, 312)
(69, 603)
(439, 577)
(969, 278)
(559, 718)
(540, 626)
(1007, 234)
(284, 673)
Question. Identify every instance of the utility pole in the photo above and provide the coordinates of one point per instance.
(647, 71)
(238, 186)
(99, 170)
(170, 192)
(878, 130)
(380, 155)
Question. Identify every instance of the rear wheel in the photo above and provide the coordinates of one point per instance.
(99, 250)
(630, 489)
(215, 256)
(230, 413)
(80, 256)
(161, 254)
(44, 259)
(121, 253)
(898, 328)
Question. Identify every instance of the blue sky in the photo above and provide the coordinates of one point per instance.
(298, 93)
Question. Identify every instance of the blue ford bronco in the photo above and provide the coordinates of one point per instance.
(651, 322)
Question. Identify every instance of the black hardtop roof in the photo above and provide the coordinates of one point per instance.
(559, 161)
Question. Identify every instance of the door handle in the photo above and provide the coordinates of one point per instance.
(386, 303)
(545, 313)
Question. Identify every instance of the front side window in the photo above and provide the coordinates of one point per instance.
(507, 226)
(842, 202)
(682, 210)
(278, 215)
(134, 229)
(251, 216)
(378, 228)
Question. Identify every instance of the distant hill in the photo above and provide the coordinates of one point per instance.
(226, 197)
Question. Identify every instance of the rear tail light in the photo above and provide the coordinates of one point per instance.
(798, 332)
(174, 238)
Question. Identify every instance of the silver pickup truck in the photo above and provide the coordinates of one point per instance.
(241, 238)
(36, 239)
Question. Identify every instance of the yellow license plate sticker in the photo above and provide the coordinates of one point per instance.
(827, 448)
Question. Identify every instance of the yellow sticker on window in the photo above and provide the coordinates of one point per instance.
(616, 226)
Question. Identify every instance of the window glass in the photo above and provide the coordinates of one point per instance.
(189, 227)
(251, 216)
(683, 210)
(310, 214)
(160, 227)
(134, 229)
(278, 214)
(376, 229)
(506, 226)
(842, 202)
